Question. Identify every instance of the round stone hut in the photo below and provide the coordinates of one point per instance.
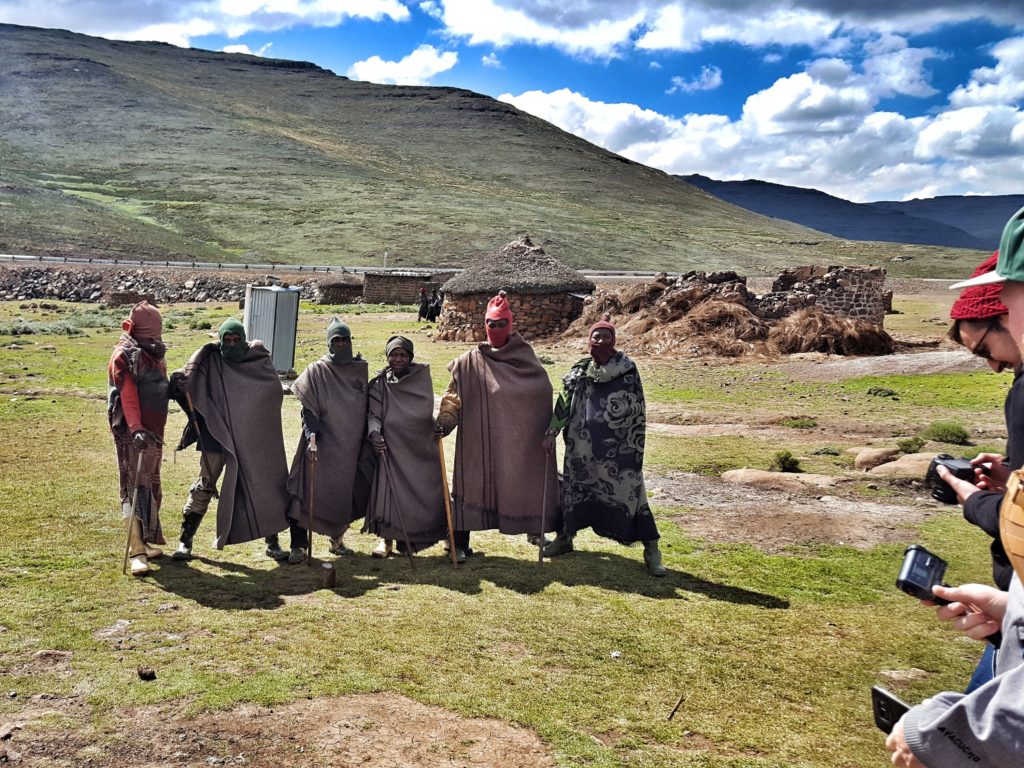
(546, 296)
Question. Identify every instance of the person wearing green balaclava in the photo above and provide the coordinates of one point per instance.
(332, 393)
(233, 345)
(235, 399)
(339, 342)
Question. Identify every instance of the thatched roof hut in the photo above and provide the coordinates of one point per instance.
(546, 295)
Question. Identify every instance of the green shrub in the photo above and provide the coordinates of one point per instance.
(799, 422)
(23, 327)
(910, 444)
(200, 325)
(828, 450)
(784, 461)
(947, 432)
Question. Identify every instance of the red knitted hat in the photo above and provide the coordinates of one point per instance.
(980, 302)
(498, 308)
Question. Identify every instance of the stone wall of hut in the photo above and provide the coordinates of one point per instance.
(339, 292)
(397, 288)
(536, 315)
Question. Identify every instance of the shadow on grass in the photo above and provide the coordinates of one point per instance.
(235, 586)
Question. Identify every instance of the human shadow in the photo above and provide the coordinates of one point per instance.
(236, 586)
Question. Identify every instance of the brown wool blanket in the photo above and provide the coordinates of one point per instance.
(407, 483)
(499, 462)
(336, 395)
(241, 404)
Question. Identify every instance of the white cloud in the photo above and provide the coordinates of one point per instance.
(431, 8)
(261, 51)
(772, 58)
(415, 69)
(709, 79)
(491, 60)
(178, 21)
(1001, 84)
(876, 155)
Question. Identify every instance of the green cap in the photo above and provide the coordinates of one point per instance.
(1011, 256)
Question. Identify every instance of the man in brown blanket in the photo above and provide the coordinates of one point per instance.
(237, 400)
(137, 413)
(332, 392)
(500, 399)
(407, 499)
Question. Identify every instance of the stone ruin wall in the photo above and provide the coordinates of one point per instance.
(398, 288)
(535, 315)
(854, 292)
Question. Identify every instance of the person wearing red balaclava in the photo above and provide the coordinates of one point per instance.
(499, 397)
(602, 404)
(137, 413)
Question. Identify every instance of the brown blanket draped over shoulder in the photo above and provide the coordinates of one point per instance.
(499, 461)
(336, 395)
(408, 479)
(241, 403)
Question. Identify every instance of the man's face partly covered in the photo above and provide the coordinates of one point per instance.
(991, 340)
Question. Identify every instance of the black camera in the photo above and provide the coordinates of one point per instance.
(941, 490)
(921, 570)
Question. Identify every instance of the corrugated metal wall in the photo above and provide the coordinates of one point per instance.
(272, 316)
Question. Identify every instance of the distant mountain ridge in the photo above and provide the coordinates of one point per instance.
(114, 148)
(949, 221)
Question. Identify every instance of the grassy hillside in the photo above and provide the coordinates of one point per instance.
(151, 150)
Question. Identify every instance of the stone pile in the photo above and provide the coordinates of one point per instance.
(116, 286)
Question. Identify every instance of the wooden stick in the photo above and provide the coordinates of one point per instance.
(312, 496)
(543, 512)
(447, 502)
(676, 707)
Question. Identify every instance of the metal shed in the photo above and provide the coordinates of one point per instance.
(272, 316)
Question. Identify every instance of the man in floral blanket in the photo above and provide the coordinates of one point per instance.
(602, 415)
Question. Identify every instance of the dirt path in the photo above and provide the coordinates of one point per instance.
(824, 368)
(773, 521)
(379, 730)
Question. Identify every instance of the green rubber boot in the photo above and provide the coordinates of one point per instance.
(652, 559)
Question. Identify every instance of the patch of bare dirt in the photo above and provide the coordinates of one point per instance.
(826, 368)
(373, 730)
(774, 521)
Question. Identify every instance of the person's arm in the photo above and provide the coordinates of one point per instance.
(448, 411)
(310, 423)
(129, 393)
(982, 509)
(375, 416)
(955, 729)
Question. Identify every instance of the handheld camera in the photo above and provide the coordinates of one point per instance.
(961, 468)
(921, 570)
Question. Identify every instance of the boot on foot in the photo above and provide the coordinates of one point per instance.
(652, 559)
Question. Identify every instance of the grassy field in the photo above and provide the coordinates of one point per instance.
(772, 654)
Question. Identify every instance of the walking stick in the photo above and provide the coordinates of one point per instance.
(398, 512)
(131, 518)
(543, 512)
(447, 502)
(312, 494)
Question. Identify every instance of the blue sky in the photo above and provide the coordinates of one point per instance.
(867, 100)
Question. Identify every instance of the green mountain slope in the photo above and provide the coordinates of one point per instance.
(144, 149)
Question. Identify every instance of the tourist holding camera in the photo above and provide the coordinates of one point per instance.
(985, 726)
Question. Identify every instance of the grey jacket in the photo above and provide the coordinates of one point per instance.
(984, 728)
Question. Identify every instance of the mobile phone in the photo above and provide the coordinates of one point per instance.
(921, 570)
(887, 707)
